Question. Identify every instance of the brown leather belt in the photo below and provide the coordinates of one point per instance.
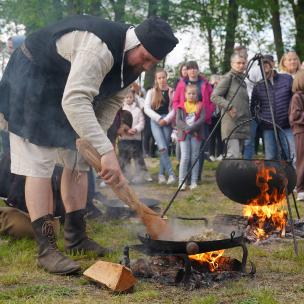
(26, 52)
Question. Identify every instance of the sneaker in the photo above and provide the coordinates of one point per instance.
(183, 188)
(148, 177)
(161, 179)
(102, 184)
(300, 196)
(220, 157)
(171, 180)
(212, 158)
(193, 186)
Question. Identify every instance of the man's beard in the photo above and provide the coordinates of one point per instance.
(131, 72)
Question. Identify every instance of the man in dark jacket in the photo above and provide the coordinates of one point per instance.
(67, 81)
(280, 90)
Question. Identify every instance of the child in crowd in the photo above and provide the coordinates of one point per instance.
(158, 108)
(190, 118)
(130, 145)
(296, 120)
(139, 94)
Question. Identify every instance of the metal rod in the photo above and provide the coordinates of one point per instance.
(296, 205)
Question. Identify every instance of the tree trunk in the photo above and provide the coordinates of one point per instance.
(164, 9)
(94, 8)
(149, 75)
(74, 7)
(152, 8)
(212, 64)
(58, 9)
(298, 11)
(276, 27)
(119, 10)
(232, 19)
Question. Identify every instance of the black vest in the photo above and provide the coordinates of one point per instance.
(41, 118)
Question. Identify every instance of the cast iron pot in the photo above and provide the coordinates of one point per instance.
(236, 178)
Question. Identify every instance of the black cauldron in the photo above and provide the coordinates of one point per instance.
(236, 178)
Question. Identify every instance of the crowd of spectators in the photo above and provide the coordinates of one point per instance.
(176, 120)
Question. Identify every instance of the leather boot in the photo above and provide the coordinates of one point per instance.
(49, 256)
(75, 236)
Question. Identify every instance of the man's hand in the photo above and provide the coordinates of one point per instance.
(132, 131)
(162, 122)
(110, 170)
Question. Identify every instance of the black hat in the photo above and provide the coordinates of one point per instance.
(268, 58)
(156, 36)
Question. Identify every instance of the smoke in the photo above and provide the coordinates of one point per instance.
(199, 231)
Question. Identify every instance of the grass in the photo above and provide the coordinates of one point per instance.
(278, 279)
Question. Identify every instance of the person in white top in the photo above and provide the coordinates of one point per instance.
(67, 81)
(158, 106)
(130, 144)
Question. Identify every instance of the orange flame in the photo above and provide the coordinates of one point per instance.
(267, 208)
(208, 257)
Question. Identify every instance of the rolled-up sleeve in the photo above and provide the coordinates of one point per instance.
(90, 60)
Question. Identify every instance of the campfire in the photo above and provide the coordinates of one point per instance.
(193, 264)
(211, 259)
(267, 212)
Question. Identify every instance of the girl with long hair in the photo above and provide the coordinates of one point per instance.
(158, 108)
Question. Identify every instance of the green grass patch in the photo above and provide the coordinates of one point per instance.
(205, 300)
(265, 296)
(35, 292)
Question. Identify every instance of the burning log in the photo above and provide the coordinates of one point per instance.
(164, 269)
(265, 212)
(171, 270)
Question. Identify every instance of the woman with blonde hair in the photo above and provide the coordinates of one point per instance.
(158, 107)
(290, 63)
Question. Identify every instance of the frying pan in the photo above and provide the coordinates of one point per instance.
(183, 247)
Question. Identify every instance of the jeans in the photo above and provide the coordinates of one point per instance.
(271, 151)
(215, 143)
(162, 137)
(203, 154)
(189, 152)
(249, 144)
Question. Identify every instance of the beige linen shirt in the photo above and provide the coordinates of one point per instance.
(91, 60)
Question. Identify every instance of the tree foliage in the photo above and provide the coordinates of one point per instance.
(221, 23)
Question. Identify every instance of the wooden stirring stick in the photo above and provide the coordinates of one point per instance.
(157, 227)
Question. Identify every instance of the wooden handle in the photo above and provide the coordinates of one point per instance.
(156, 226)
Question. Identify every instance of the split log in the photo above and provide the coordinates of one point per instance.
(114, 276)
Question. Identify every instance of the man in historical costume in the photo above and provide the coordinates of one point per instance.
(67, 81)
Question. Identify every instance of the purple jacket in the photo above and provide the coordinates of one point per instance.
(280, 96)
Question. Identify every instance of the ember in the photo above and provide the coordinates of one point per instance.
(211, 258)
(266, 213)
